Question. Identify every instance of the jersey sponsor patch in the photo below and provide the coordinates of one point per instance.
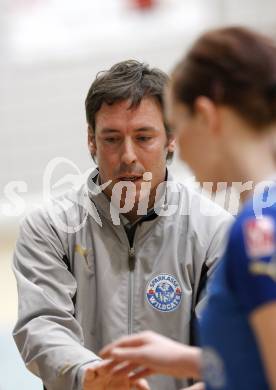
(164, 293)
(263, 268)
(259, 237)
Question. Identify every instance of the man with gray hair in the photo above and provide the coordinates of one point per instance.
(132, 252)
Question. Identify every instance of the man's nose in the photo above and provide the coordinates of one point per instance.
(128, 155)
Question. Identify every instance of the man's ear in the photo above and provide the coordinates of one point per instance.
(91, 142)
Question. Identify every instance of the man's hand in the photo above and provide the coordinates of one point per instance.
(98, 377)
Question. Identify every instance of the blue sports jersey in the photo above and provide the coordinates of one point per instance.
(244, 280)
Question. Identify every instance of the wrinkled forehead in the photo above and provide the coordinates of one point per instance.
(121, 114)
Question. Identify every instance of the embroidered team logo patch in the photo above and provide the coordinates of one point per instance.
(164, 292)
(260, 237)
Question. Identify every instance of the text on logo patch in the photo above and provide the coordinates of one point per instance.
(164, 293)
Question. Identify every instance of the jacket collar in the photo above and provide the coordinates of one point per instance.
(102, 202)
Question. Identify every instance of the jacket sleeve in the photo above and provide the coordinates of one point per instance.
(47, 334)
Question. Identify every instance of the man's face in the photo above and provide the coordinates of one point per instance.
(129, 142)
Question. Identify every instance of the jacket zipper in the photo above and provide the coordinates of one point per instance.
(131, 263)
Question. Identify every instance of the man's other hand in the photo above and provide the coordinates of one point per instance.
(98, 377)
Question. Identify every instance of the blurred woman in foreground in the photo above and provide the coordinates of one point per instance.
(222, 104)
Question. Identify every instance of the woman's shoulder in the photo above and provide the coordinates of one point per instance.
(258, 214)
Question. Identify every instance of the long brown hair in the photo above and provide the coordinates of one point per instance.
(233, 66)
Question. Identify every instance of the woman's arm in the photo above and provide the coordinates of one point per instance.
(263, 322)
(154, 354)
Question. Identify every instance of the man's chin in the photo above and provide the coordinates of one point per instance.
(138, 205)
(131, 198)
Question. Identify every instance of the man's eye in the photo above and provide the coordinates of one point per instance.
(144, 139)
(111, 140)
